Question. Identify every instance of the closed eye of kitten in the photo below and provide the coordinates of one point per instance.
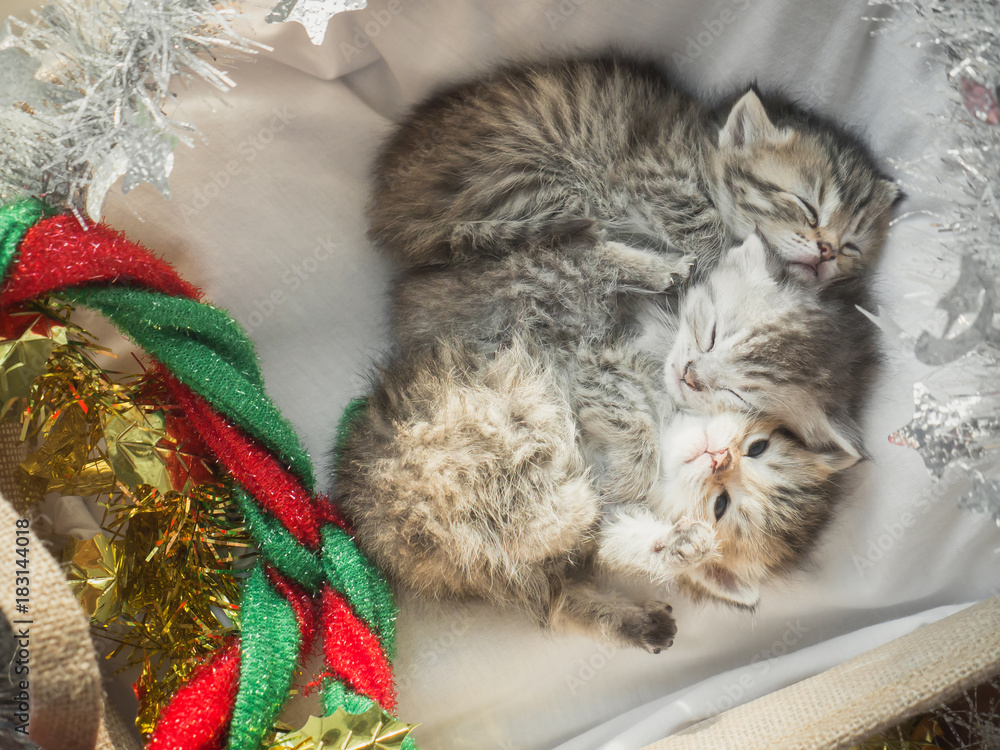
(748, 340)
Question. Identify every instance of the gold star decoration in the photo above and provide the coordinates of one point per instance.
(372, 730)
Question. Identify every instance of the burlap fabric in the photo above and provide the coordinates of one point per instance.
(68, 710)
(863, 696)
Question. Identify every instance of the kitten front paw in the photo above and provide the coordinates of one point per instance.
(677, 270)
(650, 626)
(687, 545)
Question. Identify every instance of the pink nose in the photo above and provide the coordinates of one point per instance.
(690, 379)
(826, 251)
(720, 460)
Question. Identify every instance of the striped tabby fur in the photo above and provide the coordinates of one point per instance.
(524, 441)
(487, 164)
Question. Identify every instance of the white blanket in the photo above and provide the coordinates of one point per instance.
(266, 216)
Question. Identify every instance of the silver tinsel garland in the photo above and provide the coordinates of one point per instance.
(84, 90)
(314, 15)
(961, 432)
(85, 86)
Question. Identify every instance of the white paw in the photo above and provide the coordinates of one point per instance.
(687, 545)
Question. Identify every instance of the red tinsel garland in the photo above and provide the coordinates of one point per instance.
(199, 714)
(58, 253)
(251, 465)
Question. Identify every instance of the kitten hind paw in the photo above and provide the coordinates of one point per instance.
(650, 626)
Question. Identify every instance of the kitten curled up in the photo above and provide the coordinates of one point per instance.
(485, 165)
(520, 446)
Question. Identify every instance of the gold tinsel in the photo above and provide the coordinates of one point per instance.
(918, 733)
(178, 578)
(163, 578)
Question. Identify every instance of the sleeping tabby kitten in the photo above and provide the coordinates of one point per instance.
(520, 446)
(487, 164)
(752, 339)
(464, 478)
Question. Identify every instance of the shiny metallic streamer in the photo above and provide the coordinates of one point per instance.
(949, 433)
(961, 169)
(314, 15)
(85, 86)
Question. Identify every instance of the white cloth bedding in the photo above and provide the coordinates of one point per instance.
(266, 216)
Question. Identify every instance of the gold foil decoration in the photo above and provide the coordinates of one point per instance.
(372, 730)
(29, 337)
(135, 444)
(179, 578)
(163, 581)
(92, 574)
(65, 461)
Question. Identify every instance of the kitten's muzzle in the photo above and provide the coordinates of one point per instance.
(721, 459)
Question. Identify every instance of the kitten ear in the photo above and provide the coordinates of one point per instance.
(891, 192)
(840, 458)
(748, 123)
(727, 587)
(750, 258)
(818, 431)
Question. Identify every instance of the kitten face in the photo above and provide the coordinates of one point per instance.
(748, 341)
(766, 496)
(815, 198)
